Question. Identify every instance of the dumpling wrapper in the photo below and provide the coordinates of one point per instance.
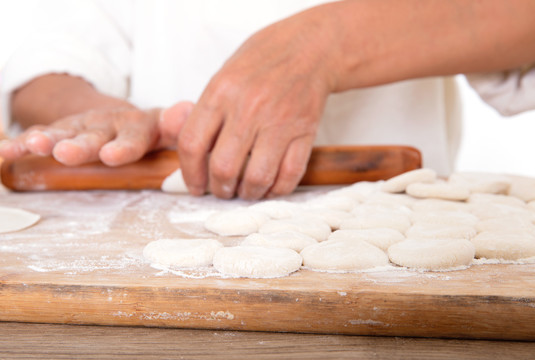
(13, 219)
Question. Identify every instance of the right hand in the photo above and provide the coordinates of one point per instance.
(252, 130)
(115, 137)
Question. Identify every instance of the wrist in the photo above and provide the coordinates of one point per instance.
(332, 26)
(54, 96)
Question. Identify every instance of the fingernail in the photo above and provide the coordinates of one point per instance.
(243, 194)
(196, 191)
(229, 190)
(270, 195)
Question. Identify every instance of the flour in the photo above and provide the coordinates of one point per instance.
(104, 232)
(196, 273)
(72, 235)
(85, 265)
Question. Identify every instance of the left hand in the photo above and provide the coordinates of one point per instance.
(113, 136)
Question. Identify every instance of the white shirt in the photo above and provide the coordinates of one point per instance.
(155, 53)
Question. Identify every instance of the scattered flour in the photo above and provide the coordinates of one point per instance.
(76, 228)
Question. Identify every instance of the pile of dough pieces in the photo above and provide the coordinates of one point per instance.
(414, 220)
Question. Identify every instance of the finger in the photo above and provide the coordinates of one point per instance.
(22, 144)
(263, 166)
(228, 158)
(136, 135)
(83, 148)
(42, 141)
(39, 139)
(195, 141)
(172, 120)
(11, 149)
(293, 167)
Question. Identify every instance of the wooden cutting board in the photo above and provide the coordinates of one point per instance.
(82, 264)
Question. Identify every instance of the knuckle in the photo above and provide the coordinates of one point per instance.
(221, 87)
(135, 116)
(34, 128)
(259, 179)
(189, 144)
(292, 173)
(222, 171)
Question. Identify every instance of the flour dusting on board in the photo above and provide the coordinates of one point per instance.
(92, 231)
(74, 235)
(106, 231)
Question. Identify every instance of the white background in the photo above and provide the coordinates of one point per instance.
(490, 142)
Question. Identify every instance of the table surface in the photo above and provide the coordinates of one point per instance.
(83, 264)
(41, 341)
(27, 341)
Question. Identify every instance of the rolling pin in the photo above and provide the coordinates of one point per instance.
(328, 165)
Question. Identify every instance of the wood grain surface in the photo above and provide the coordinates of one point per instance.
(327, 165)
(41, 341)
(82, 264)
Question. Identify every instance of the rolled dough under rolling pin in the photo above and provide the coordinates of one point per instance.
(174, 183)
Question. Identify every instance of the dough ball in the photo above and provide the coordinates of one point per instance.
(438, 190)
(333, 202)
(381, 207)
(332, 217)
(423, 231)
(522, 188)
(424, 205)
(277, 209)
(358, 191)
(505, 244)
(13, 219)
(495, 210)
(383, 238)
(401, 182)
(391, 199)
(504, 223)
(435, 254)
(184, 253)
(378, 219)
(495, 199)
(236, 222)
(284, 239)
(447, 218)
(482, 182)
(256, 261)
(174, 183)
(343, 256)
(311, 226)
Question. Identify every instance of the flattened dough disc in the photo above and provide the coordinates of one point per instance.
(13, 219)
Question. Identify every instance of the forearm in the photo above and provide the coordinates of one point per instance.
(52, 97)
(375, 42)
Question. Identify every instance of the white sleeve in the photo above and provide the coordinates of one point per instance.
(82, 38)
(509, 92)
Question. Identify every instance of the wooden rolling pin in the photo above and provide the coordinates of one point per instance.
(328, 165)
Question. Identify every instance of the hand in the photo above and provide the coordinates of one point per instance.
(116, 137)
(259, 114)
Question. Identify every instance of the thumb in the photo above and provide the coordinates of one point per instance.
(171, 121)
